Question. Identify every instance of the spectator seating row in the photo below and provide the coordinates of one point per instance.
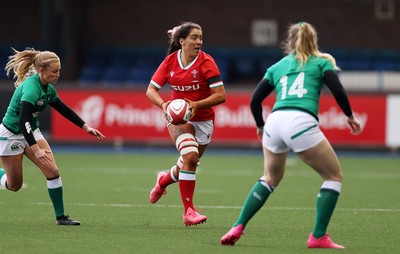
(235, 64)
(134, 66)
(367, 59)
(128, 66)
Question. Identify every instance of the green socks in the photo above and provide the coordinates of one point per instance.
(326, 203)
(255, 200)
(54, 187)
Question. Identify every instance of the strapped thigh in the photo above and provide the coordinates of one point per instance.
(186, 143)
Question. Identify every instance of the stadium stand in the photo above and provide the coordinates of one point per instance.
(236, 64)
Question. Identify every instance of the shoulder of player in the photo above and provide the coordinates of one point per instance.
(31, 82)
(205, 60)
(172, 56)
(205, 56)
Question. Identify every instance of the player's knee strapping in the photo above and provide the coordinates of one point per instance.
(186, 143)
(179, 163)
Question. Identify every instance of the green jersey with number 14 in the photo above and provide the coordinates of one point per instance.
(296, 86)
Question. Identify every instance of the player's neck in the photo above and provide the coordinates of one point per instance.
(186, 58)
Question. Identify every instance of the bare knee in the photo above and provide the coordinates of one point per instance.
(333, 176)
(51, 173)
(190, 161)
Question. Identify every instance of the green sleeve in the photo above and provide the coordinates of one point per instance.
(326, 65)
(30, 93)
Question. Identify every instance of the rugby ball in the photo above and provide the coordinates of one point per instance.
(178, 112)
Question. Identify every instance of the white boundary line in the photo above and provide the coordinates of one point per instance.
(225, 207)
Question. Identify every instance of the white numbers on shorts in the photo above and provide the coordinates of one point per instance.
(296, 88)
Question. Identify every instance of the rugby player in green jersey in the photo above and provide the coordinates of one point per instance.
(293, 125)
(36, 72)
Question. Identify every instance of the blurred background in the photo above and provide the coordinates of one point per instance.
(110, 49)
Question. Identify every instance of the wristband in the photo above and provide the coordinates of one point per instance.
(260, 128)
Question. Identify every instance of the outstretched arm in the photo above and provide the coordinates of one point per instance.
(73, 117)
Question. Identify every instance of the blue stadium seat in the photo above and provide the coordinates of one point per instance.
(142, 70)
(114, 75)
(360, 59)
(93, 69)
(387, 60)
(138, 76)
(224, 67)
(245, 67)
(90, 75)
(122, 61)
(97, 61)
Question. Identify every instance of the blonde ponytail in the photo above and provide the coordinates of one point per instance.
(302, 41)
(27, 62)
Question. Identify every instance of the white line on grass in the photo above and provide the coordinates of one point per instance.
(394, 210)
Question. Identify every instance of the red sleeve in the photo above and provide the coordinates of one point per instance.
(210, 69)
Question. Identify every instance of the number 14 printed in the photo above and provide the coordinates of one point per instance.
(297, 88)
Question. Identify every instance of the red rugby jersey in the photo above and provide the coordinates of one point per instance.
(189, 82)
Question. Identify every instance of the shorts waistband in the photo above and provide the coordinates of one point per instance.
(5, 126)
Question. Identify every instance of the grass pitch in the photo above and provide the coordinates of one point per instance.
(108, 193)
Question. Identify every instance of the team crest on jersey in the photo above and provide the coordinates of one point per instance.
(40, 102)
(171, 73)
(194, 72)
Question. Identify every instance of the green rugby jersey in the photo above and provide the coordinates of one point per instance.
(296, 86)
(33, 91)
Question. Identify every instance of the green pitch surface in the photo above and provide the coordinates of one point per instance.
(108, 193)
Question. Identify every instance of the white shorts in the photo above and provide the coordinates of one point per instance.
(203, 131)
(291, 129)
(13, 144)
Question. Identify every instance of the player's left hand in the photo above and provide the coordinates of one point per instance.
(192, 107)
(355, 125)
(93, 131)
(96, 133)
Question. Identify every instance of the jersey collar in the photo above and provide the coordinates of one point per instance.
(181, 63)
